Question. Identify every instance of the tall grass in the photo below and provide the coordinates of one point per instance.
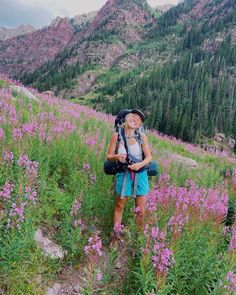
(51, 176)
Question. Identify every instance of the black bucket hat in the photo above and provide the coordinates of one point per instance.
(138, 112)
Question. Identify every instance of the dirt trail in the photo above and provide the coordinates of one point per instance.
(113, 264)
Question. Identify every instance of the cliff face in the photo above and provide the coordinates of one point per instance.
(117, 16)
(117, 24)
(210, 10)
(24, 54)
(6, 33)
(97, 38)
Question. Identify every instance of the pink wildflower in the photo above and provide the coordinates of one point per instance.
(1, 133)
(5, 193)
(232, 243)
(118, 228)
(8, 157)
(29, 194)
(231, 282)
(91, 141)
(86, 167)
(17, 133)
(93, 249)
(137, 211)
(99, 277)
(75, 207)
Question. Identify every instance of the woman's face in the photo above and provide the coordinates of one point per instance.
(133, 121)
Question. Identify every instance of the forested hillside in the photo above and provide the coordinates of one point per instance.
(193, 92)
(178, 66)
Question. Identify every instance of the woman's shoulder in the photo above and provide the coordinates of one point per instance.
(143, 137)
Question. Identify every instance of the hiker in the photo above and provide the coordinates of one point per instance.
(130, 182)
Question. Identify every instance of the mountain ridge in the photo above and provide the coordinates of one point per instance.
(8, 33)
(127, 54)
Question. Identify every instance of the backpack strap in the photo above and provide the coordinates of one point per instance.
(119, 131)
(138, 137)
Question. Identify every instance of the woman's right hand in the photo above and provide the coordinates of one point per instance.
(121, 158)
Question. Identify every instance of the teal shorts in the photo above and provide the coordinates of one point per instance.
(142, 186)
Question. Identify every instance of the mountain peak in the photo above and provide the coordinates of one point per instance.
(118, 15)
(56, 21)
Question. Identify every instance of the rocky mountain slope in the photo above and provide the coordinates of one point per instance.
(28, 52)
(164, 8)
(104, 42)
(8, 33)
(128, 54)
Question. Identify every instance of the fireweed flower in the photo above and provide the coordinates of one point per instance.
(42, 132)
(30, 128)
(226, 230)
(232, 243)
(92, 178)
(16, 215)
(32, 170)
(17, 133)
(1, 133)
(5, 193)
(12, 115)
(137, 211)
(234, 178)
(216, 203)
(23, 161)
(231, 282)
(75, 207)
(118, 228)
(203, 203)
(3, 120)
(8, 157)
(86, 167)
(30, 195)
(30, 166)
(177, 222)
(99, 277)
(78, 223)
(228, 173)
(162, 257)
(90, 141)
(93, 249)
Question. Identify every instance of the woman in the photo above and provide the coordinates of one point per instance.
(125, 181)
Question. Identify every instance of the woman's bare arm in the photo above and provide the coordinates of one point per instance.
(146, 149)
(111, 152)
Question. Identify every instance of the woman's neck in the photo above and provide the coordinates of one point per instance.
(129, 132)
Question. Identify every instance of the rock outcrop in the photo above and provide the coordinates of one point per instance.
(186, 162)
(25, 54)
(83, 84)
(48, 247)
(22, 90)
(8, 33)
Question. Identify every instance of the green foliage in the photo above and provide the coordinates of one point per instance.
(197, 266)
(47, 77)
(181, 98)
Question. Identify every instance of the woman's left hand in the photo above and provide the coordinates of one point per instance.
(135, 167)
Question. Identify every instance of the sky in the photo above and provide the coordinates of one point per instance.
(39, 13)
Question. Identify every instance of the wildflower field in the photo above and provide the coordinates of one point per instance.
(51, 162)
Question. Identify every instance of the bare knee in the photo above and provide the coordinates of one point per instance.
(119, 206)
(141, 211)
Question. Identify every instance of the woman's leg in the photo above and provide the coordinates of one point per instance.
(140, 202)
(118, 210)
